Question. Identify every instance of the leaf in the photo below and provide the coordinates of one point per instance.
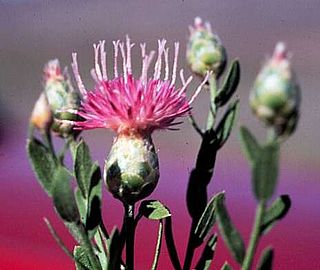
(101, 247)
(250, 146)
(275, 212)
(265, 171)
(158, 247)
(153, 209)
(115, 250)
(226, 266)
(265, 261)
(229, 85)
(63, 197)
(228, 231)
(207, 254)
(207, 220)
(43, 163)
(83, 167)
(225, 126)
(82, 260)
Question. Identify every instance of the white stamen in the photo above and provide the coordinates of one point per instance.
(175, 63)
(185, 85)
(96, 61)
(77, 76)
(94, 75)
(124, 62)
(116, 50)
(157, 67)
(129, 46)
(166, 59)
(182, 77)
(200, 87)
(103, 60)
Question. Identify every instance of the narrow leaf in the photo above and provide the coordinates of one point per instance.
(228, 231)
(207, 220)
(153, 209)
(229, 85)
(207, 254)
(250, 146)
(115, 250)
(102, 250)
(225, 126)
(43, 163)
(275, 212)
(83, 167)
(82, 260)
(265, 171)
(158, 247)
(265, 261)
(63, 197)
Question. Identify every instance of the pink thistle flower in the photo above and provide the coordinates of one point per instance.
(129, 105)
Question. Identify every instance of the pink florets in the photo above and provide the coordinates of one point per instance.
(126, 104)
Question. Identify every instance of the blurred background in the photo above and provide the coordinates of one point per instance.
(32, 32)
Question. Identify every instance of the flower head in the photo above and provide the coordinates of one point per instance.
(126, 104)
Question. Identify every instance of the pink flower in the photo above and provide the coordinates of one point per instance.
(126, 104)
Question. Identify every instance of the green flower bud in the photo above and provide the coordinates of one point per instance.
(62, 98)
(204, 50)
(131, 170)
(275, 97)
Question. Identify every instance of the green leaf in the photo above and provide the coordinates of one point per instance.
(158, 247)
(101, 249)
(83, 168)
(43, 163)
(229, 85)
(115, 250)
(226, 266)
(207, 219)
(207, 254)
(265, 171)
(265, 261)
(63, 197)
(82, 260)
(250, 146)
(275, 212)
(229, 233)
(226, 124)
(153, 209)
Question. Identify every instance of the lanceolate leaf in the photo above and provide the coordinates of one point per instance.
(63, 197)
(43, 163)
(265, 171)
(265, 262)
(207, 219)
(115, 250)
(229, 85)
(249, 145)
(82, 260)
(207, 254)
(225, 126)
(153, 209)
(82, 168)
(228, 231)
(275, 212)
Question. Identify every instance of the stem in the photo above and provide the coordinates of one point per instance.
(255, 236)
(86, 243)
(190, 248)
(213, 109)
(158, 247)
(130, 230)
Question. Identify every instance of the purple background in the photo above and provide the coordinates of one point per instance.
(31, 32)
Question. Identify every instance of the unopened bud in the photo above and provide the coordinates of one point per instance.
(275, 97)
(205, 51)
(62, 98)
(41, 116)
(131, 170)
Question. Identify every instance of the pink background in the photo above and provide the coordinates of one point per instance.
(34, 31)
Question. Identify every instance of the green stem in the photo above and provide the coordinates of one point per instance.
(255, 236)
(130, 230)
(190, 248)
(213, 109)
(86, 243)
(158, 247)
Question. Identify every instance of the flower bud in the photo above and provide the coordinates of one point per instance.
(204, 50)
(275, 96)
(131, 170)
(41, 116)
(62, 98)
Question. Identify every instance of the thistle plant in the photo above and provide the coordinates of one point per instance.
(133, 108)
